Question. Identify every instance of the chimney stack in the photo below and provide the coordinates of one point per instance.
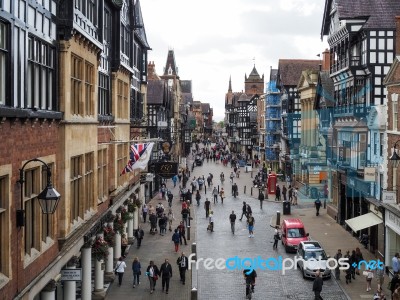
(326, 60)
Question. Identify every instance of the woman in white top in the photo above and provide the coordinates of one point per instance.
(120, 269)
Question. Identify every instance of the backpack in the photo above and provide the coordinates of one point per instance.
(249, 209)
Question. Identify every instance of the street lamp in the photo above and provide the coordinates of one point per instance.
(48, 198)
(394, 160)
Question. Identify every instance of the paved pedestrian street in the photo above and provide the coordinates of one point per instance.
(229, 284)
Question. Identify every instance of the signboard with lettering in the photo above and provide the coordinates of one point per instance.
(71, 274)
(392, 220)
(389, 197)
(369, 174)
(166, 169)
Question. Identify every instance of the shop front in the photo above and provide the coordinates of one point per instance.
(392, 232)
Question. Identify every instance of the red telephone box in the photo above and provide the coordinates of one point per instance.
(271, 184)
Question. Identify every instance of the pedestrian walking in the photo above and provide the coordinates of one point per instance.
(277, 237)
(166, 274)
(295, 196)
(250, 224)
(144, 212)
(170, 197)
(198, 197)
(232, 219)
(185, 216)
(395, 263)
(182, 231)
(369, 275)
(211, 222)
(139, 233)
(183, 264)
(207, 205)
(290, 194)
(232, 176)
(284, 191)
(120, 269)
(215, 194)
(124, 244)
(222, 195)
(338, 256)
(153, 223)
(175, 238)
(136, 270)
(380, 276)
(244, 210)
(359, 257)
(317, 286)
(152, 273)
(394, 284)
(277, 193)
(234, 190)
(317, 205)
(170, 219)
(261, 198)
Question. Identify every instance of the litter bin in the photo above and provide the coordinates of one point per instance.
(286, 207)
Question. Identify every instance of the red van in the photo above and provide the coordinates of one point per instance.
(293, 233)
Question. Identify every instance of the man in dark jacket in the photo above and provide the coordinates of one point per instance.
(166, 274)
(244, 211)
(139, 233)
(261, 198)
(183, 264)
(317, 286)
(182, 232)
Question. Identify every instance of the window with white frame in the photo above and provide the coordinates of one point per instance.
(375, 143)
(4, 60)
(381, 136)
(4, 223)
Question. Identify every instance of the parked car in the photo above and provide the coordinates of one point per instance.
(314, 258)
(293, 232)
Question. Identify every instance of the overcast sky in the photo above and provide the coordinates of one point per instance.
(215, 39)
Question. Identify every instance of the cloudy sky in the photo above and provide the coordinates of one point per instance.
(216, 39)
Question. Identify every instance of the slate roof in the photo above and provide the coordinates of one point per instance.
(254, 74)
(289, 70)
(186, 86)
(205, 108)
(380, 13)
(325, 90)
(171, 62)
(139, 24)
(187, 98)
(273, 74)
(156, 90)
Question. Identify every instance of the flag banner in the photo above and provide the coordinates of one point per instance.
(139, 157)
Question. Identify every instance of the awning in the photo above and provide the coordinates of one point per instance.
(364, 221)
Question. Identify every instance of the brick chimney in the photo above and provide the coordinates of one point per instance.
(326, 60)
(397, 50)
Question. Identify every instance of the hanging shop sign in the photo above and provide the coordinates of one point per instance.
(369, 174)
(166, 169)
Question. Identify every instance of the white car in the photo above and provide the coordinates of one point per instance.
(311, 258)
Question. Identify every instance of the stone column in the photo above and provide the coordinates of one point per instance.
(136, 218)
(99, 292)
(117, 246)
(70, 286)
(130, 228)
(49, 291)
(109, 272)
(86, 261)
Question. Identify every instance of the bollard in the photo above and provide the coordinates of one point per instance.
(205, 189)
(251, 191)
(244, 192)
(325, 203)
(218, 188)
(188, 232)
(194, 250)
(278, 218)
(193, 294)
(251, 173)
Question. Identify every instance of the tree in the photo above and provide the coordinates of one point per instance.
(221, 124)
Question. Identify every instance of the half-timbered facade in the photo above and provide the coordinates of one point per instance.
(362, 41)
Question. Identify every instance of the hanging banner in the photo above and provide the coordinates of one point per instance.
(166, 169)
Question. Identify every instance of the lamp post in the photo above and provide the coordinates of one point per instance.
(394, 160)
(48, 198)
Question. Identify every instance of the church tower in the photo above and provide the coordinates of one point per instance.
(254, 84)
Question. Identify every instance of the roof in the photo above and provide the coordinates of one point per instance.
(156, 91)
(326, 89)
(289, 70)
(293, 222)
(186, 86)
(205, 107)
(187, 98)
(273, 74)
(139, 25)
(254, 74)
(171, 64)
(379, 13)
